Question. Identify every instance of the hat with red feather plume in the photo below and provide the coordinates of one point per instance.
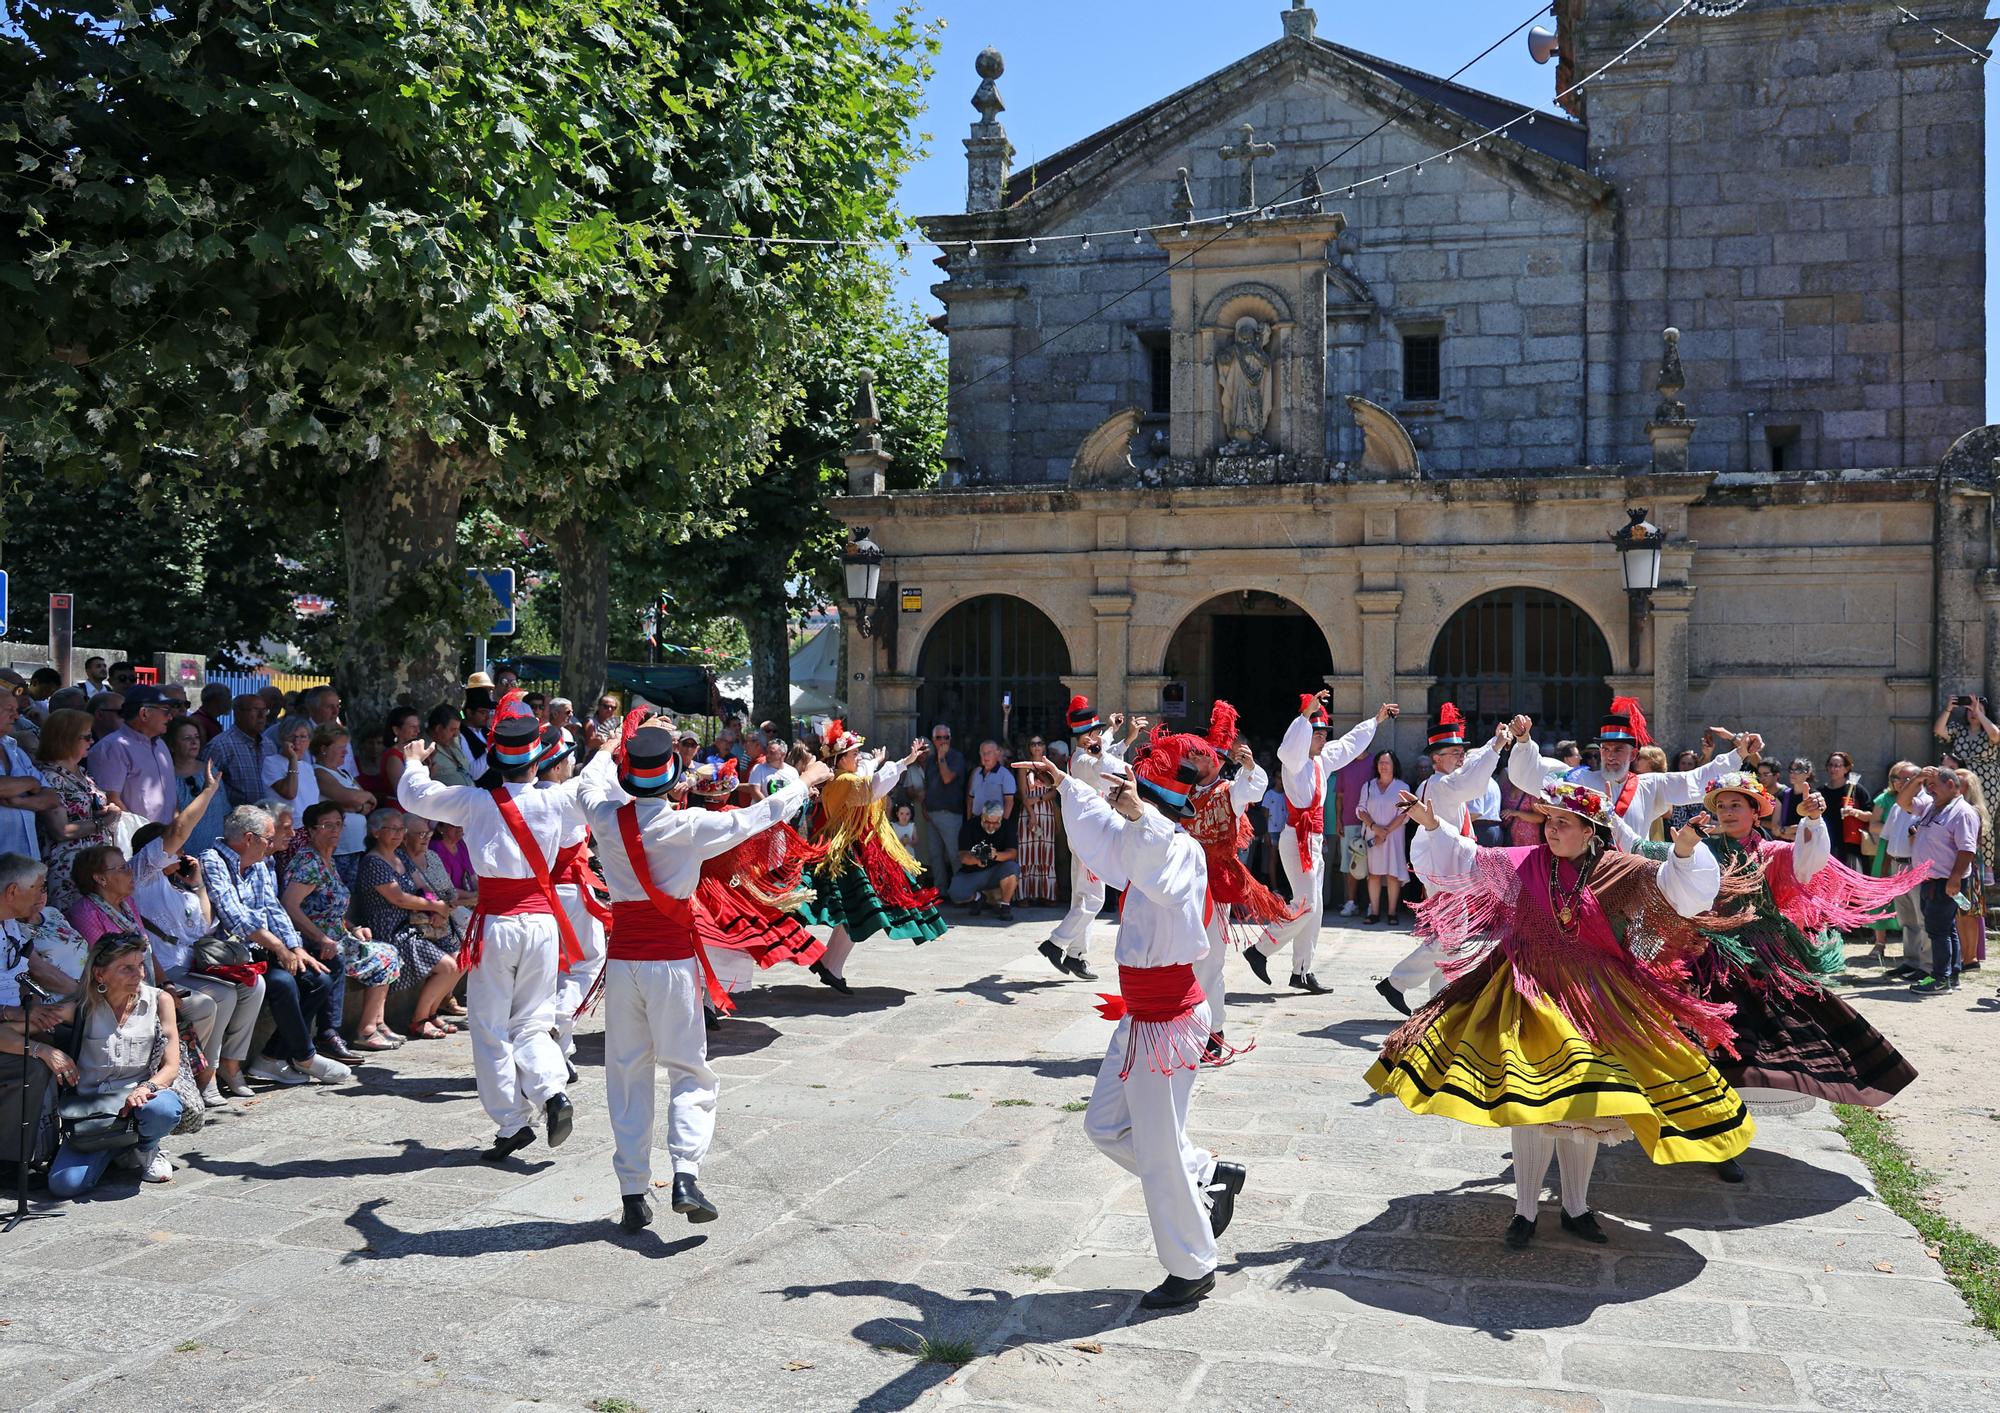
(648, 764)
(1624, 724)
(838, 740)
(1082, 717)
(1447, 730)
(515, 739)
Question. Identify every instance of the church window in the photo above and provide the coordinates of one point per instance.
(1157, 345)
(1783, 444)
(1423, 367)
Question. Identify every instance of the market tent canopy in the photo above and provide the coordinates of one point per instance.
(689, 691)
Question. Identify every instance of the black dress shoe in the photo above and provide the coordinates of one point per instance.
(1307, 982)
(505, 1148)
(570, 1065)
(819, 970)
(638, 1213)
(1729, 1170)
(562, 1118)
(1223, 1186)
(1585, 1228)
(1177, 1290)
(1389, 993)
(1520, 1232)
(688, 1198)
(1079, 968)
(1229, 1175)
(1260, 963)
(1055, 956)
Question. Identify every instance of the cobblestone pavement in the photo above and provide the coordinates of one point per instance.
(908, 1165)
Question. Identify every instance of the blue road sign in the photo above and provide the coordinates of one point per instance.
(499, 583)
(3, 603)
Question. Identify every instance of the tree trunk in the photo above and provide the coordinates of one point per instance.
(405, 598)
(767, 620)
(584, 561)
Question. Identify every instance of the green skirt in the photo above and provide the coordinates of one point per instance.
(847, 899)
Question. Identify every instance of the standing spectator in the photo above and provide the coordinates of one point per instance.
(771, 768)
(1896, 810)
(214, 706)
(24, 796)
(124, 1022)
(94, 672)
(338, 786)
(1274, 827)
(122, 676)
(243, 888)
(288, 769)
(1688, 760)
(451, 764)
(1945, 840)
(1348, 783)
(239, 752)
(27, 727)
(1569, 753)
(1966, 727)
(1037, 831)
(43, 683)
(477, 718)
(81, 815)
(105, 709)
(191, 777)
(1972, 920)
(317, 901)
(1523, 820)
(1801, 777)
(1847, 809)
(944, 803)
(687, 745)
(1388, 867)
(991, 782)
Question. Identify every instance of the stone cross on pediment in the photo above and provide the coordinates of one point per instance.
(1247, 152)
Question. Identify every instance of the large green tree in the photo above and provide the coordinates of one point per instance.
(773, 551)
(384, 253)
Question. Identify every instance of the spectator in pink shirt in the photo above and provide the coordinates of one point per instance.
(132, 765)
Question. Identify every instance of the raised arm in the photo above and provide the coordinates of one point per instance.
(1093, 828)
(1690, 881)
(597, 784)
(178, 833)
(1812, 846)
(1335, 754)
(418, 793)
(712, 832)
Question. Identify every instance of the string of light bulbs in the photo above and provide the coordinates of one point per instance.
(1938, 36)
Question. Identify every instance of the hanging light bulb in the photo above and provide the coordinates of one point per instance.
(1479, 146)
(1447, 159)
(1531, 120)
(687, 241)
(1350, 193)
(1135, 237)
(1186, 231)
(1228, 225)
(1418, 170)
(1086, 242)
(763, 246)
(1031, 247)
(971, 251)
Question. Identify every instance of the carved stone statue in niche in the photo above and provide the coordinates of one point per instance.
(1246, 384)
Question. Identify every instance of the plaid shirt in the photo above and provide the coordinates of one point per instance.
(246, 901)
(240, 758)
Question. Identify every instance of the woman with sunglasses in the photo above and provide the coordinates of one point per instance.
(129, 1046)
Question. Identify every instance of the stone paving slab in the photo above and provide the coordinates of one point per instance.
(907, 1166)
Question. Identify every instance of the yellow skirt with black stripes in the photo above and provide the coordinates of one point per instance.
(1498, 1060)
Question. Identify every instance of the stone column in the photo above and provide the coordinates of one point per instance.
(1668, 715)
(1378, 648)
(988, 154)
(1989, 611)
(1114, 632)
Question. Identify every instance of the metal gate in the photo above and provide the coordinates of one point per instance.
(1523, 650)
(979, 653)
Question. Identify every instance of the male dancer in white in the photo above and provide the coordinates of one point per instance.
(519, 937)
(1307, 761)
(1635, 800)
(1457, 779)
(657, 975)
(1068, 948)
(576, 888)
(1139, 1108)
(1221, 802)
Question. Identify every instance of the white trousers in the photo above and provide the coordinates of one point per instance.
(1420, 975)
(573, 985)
(1140, 1123)
(1309, 888)
(1575, 1154)
(1208, 971)
(511, 998)
(1086, 901)
(652, 1016)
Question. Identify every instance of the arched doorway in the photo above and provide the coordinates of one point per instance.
(1523, 650)
(1257, 651)
(983, 653)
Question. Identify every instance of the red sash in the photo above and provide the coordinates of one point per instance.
(516, 897)
(1625, 795)
(677, 914)
(1307, 823)
(1160, 1002)
(572, 866)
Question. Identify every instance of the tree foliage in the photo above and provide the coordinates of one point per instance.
(395, 250)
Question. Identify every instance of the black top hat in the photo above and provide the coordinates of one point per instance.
(1083, 717)
(651, 764)
(1447, 730)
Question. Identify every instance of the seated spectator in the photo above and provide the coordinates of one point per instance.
(82, 816)
(989, 866)
(214, 706)
(126, 1024)
(339, 784)
(173, 905)
(991, 783)
(284, 822)
(392, 899)
(43, 683)
(448, 843)
(768, 768)
(31, 1063)
(59, 952)
(243, 888)
(133, 765)
(288, 770)
(191, 778)
(23, 796)
(378, 760)
(317, 902)
(430, 871)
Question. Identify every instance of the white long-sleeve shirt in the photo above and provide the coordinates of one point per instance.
(1444, 858)
(1248, 788)
(1812, 846)
(1452, 794)
(1164, 920)
(1306, 787)
(677, 842)
(882, 777)
(1653, 796)
(551, 813)
(1088, 766)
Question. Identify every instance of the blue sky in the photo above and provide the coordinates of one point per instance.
(1075, 65)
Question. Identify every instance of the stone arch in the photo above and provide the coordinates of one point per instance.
(1522, 648)
(980, 652)
(1252, 647)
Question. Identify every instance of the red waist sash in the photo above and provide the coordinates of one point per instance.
(572, 866)
(1161, 1002)
(640, 932)
(671, 916)
(1310, 823)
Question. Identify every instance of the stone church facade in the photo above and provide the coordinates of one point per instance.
(1380, 439)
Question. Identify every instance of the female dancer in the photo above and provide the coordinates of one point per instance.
(747, 897)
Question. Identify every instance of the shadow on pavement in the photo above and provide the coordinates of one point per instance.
(1046, 1066)
(740, 1035)
(939, 1318)
(1367, 1034)
(416, 1157)
(994, 988)
(387, 1243)
(817, 1000)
